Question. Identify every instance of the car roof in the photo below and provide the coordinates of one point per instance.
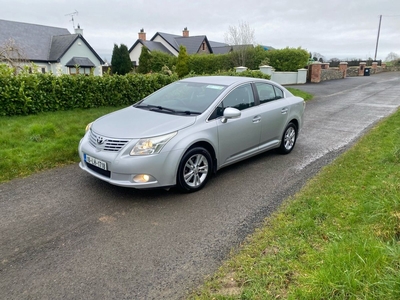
(223, 80)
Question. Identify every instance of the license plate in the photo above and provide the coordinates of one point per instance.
(95, 162)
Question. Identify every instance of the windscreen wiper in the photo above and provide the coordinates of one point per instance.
(156, 107)
(188, 112)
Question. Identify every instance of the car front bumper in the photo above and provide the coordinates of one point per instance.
(122, 167)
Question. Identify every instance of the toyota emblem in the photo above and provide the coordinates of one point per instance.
(100, 140)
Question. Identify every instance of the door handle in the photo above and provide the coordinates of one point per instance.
(256, 119)
(284, 110)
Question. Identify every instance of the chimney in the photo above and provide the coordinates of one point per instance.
(185, 32)
(78, 30)
(142, 35)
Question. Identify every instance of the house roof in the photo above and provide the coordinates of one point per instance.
(39, 42)
(222, 50)
(191, 43)
(169, 38)
(80, 61)
(155, 46)
(33, 40)
(59, 44)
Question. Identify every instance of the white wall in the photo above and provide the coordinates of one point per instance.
(78, 49)
(135, 53)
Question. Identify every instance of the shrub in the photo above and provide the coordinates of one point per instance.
(182, 64)
(288, 59)
(26, 94)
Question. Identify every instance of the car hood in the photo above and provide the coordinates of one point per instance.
(133, 123)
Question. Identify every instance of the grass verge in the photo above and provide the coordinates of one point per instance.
(38, 142)
(338, 238)
(306, 96)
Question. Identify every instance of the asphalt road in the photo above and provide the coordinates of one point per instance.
(67, 235)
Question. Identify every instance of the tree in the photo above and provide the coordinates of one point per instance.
(120, 61)
(144, 61)
(12, 55)
(241, 38)
(318, 57)
(392, 57)
(182, 64)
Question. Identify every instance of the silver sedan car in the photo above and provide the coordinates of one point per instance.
(183, 133)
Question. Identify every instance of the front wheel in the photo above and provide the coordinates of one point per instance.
(288, 139)
(194, 170)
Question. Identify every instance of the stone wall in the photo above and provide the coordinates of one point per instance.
(331, 74)
(392, 69)
(352, 71)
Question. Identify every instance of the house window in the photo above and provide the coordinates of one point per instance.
(80, 70)
(85, 71)
(43, 70)
(204, 46)
(73, 71)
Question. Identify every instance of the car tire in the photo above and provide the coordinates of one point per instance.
(289, 138)
(194, 170)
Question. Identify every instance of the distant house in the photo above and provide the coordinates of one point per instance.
(170, 43)
(51, 49)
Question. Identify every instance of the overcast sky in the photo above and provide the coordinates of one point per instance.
(334, 28)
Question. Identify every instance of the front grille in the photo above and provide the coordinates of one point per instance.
(98, 170)
(106, 144)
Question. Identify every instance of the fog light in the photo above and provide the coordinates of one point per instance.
(143, 178)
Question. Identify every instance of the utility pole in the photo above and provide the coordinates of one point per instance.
(377, 39)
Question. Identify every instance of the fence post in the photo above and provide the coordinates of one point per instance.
(301, 76)
(362, 68)
(241, 69)
(315, 72)
(266, 70)
(343, 68)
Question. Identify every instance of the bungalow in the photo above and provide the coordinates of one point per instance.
(170, 43)
(51, 49)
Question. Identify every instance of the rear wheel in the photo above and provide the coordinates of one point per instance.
(194, 170)
(288, 139)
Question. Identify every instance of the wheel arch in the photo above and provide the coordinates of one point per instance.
(296, 123)
(210, 150)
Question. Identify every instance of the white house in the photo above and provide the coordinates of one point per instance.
(51, 49)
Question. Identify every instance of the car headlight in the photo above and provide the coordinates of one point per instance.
(152, 145)
(88, 127)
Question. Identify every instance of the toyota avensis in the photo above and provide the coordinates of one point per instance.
(183, 133)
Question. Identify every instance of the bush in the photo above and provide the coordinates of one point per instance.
(288, 59)
(26, 94)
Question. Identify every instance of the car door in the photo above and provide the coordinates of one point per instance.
(274, 111)
(238, 138)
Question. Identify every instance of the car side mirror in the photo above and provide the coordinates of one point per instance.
(230, 113)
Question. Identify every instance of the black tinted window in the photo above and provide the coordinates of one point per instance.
(240, 98)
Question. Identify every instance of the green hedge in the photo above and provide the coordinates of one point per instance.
(288, 59)
(26, 94)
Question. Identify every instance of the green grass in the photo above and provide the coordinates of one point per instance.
(38, 142)
(338, 238)
(306, 96)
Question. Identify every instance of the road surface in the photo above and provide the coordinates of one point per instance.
(67, 235)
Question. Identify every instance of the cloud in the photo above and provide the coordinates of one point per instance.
(337, 28)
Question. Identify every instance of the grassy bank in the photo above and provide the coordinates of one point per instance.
(34, 143)
(338, 238)
(38, 142)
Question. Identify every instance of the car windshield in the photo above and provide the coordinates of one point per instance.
(183, 97)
